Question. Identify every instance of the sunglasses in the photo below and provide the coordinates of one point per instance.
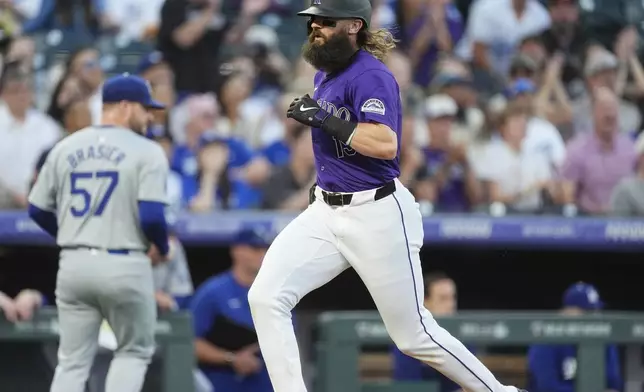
(324, 22)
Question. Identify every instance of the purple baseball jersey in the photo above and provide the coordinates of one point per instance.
(365, 92)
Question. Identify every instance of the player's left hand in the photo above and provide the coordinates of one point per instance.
(156, 257)
(306, 111)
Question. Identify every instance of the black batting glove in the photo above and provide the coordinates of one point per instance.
(306, 110)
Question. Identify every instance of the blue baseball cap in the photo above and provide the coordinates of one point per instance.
(253, 236)
(521, 86)
(582, 295)
(148, 61)
(129, 88)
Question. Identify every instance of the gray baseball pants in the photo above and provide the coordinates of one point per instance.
(94, 285)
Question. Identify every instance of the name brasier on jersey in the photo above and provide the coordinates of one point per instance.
(364, 92)
(96, 152)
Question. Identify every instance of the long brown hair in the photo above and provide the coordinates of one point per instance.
(377, 42)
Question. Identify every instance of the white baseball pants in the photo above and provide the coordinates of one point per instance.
(381, 240)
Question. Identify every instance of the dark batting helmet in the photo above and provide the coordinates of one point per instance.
(340, 9)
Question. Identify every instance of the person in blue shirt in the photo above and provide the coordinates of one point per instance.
(440, 300)
(553, 368)
(226, 344)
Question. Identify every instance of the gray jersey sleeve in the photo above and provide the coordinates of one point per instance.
(153, 176)
(43, 193)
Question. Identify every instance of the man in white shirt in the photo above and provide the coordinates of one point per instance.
(24, 134)
(496, 27)
(541, 136)
(517, 176)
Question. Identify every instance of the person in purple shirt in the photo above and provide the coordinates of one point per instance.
(428, 29)
(446, 179)
(360, 215)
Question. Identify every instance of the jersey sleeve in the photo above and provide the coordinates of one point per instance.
(376, 98)
(204, 310)
(153, 176)
(43, 193)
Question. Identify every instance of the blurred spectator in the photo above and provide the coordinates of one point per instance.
(75, 117)
(601, 70)
(541, 136)
(218, 171)
(518, 177)
(67, 90)
(25, 133)
(400, 66)
(491, 48)
(628, 197)
(191, 36)
(458, 85)
(427, 30)
(156, 70)
(201, 114)
(554, 367)
(630, 78)
(596, 162)
(524, 66)
(134, 19)
(21, 51)
(411, 156)
(288, 187)
(278, 151)
(13, 13)
(23, 306)
(445, 179)
(226, 342)
(441, 301)
(552, 102)
(270, 65)
(566, 37)
(85, 66)
(79, 17)
(236, 119)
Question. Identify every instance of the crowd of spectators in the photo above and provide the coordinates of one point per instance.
(511, 106)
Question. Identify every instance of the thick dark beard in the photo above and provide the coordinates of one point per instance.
(332, 55)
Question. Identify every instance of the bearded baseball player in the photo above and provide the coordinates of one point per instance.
(361, 216)
(101, 194)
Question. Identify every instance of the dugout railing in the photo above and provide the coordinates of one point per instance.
(174, 336)
(343, 334)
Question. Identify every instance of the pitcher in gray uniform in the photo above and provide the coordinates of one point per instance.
(101, 194)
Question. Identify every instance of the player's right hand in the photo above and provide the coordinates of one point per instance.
(156, 257)
(246, 361)
(306, 110)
